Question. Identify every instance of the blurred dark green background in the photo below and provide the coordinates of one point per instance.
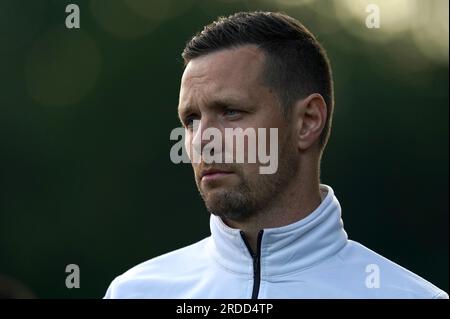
(85, 117)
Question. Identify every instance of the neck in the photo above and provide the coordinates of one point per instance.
(297, 202)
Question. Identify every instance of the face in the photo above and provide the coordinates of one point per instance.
(226, 89)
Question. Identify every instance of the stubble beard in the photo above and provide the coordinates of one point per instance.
(254, 194)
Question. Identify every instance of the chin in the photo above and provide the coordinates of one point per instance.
(226, 203)
(215, 196)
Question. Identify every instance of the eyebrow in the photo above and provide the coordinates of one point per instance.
(219, 103)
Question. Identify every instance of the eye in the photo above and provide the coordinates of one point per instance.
(231, 113)
(189, 121)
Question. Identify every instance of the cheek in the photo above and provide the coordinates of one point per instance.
(249, 171)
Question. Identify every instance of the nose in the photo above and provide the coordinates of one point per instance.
(204, 132)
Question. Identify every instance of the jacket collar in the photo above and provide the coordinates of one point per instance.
(286, 249)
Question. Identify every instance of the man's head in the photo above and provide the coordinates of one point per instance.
(256, 70)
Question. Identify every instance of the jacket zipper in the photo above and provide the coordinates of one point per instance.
(256, 262)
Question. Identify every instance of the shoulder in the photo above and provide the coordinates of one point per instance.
(150, 278)
(389, 279)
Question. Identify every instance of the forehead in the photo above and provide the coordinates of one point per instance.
(235, 71)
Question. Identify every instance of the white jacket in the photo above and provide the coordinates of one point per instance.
(311, 258)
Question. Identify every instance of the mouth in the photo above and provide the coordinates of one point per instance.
(213, 174)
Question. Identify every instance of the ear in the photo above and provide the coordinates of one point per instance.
(311, 115)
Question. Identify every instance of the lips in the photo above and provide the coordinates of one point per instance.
(213, 174)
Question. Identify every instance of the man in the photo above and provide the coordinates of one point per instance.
(272, 235)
